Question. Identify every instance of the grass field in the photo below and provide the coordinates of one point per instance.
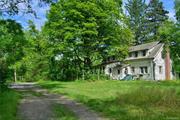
(8, 105)
(124, 100)
(62, 113)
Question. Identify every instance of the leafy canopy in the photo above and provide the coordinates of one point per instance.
(85, 32)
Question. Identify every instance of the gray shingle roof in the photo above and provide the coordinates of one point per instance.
(146, 46)
(156, 47)
(155, 50)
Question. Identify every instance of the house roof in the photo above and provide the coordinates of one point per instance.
(146, 46)
(155, 46)
(152, 54)
(155, 50)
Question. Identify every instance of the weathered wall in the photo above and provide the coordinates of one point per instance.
(153, 66)
(136, 64)
(159, 61)
(142, 63)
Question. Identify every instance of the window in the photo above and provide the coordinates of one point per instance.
(160, 69)
(143, 70)
(144, 52)
(130, 54)
(119, 72)
(136, 54)
(126, 71)
(132, 69)
(110, 70)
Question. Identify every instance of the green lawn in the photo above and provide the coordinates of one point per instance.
(124, 100)
(62, 113)
(8, 105)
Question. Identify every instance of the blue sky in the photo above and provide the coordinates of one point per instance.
(41, 14)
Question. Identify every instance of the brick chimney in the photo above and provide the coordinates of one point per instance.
(167, 65)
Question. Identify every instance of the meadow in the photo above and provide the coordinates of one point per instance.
(124, 100)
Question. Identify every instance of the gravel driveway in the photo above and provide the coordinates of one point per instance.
(37, 104)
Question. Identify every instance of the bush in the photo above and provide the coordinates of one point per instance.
(2, 82)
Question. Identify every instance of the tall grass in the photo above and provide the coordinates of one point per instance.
(125, 100)
(152, 96)
(8, 104)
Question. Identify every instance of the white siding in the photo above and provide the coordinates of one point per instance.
(142, 63)
(153, 66)
(111, 66)
(159, 61)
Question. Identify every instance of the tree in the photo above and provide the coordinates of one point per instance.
(155, 16)
(35, 62)
(136, 12)
(84, 32)
(11, 45)
(177, 8)
(170, 35)
(13, 7)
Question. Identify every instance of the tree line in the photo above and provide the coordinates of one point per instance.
(79, 34)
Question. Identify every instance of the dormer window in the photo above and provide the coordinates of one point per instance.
(144, 52)
(136, 54)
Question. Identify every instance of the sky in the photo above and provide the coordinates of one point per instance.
(41, 14)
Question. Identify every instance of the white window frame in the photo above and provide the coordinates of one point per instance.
(144, 70)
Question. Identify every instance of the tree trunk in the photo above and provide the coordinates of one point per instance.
(98, 73)
(15, 75)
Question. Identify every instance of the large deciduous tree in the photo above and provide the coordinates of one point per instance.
(84, 32)
(136, 12)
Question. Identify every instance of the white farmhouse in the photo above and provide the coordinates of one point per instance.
(145, 61)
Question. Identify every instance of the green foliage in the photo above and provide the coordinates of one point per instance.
(124, 100)
(35, 62)
(85, 32)
(177, 8)
(13, 7)
(145, 20)
(9, 100)
(136, 13)
(170, 34)
(12, 42)
(155, 15)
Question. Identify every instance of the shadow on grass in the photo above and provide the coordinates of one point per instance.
(51, 85)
